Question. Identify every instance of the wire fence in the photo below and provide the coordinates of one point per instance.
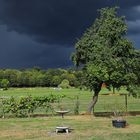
(78, 104)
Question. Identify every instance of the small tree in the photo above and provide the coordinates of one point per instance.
(65, 84)
(4, 84)
(106, 55)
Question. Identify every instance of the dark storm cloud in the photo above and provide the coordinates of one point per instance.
(133, 20)
(54, 21)
(19, 51)
(49, 21)
(43, 32)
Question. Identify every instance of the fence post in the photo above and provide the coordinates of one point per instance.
(126, 102)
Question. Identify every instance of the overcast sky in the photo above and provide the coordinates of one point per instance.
(43, 32)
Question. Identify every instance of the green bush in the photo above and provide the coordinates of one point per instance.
(4, 84)
(134, 91)
(64, 84)
(25, 106)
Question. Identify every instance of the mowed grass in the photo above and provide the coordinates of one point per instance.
(84, 127)
(85, 97)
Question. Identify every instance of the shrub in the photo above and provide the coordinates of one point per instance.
(64, 84)
(134, 91)
(25, 106)
(4, 84)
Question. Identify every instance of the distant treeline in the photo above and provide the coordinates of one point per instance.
(36, 77)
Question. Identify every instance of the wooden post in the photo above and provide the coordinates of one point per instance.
(126, 102)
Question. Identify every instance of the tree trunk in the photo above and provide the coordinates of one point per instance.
(94, 98)
(92, 103)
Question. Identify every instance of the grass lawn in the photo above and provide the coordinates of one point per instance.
(84, 128)
(40, 91)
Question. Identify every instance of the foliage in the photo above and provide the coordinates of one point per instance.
(55, 81)
(36, 77)
(105, 54)
(64, 84)
(77, 104)
(25, 106)
(134, 90)
(4, 84)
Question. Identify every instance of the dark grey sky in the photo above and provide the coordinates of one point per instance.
(43, 32)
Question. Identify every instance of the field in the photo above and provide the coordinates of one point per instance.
(84, 127)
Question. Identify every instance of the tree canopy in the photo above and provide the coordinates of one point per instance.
(106, 55)
(35, 77)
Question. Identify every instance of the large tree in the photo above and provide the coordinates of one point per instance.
(106, 55)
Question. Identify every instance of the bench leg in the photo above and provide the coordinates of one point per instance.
(67, 131)
(56, 130)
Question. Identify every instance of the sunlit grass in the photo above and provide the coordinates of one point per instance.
(83, 128)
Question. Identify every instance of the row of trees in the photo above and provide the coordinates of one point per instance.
(37, 77)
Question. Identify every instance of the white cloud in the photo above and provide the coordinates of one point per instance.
(137, 8)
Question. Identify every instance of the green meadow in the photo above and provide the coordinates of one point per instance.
(83, 127)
